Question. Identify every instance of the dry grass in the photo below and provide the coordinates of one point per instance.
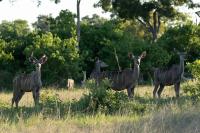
(27, 99)
(170, 119)
(64, 94)
(148, 91)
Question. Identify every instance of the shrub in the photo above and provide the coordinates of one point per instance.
(195, 68)
(104, 100)
(192, 89)
(101, 99)
(5, 80)
(50, 103)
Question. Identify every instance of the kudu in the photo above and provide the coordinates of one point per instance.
(29, 82)
(126, 79)
(96, 72)
(70, 84)
(171, 76)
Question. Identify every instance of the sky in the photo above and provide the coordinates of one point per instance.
(28, 9)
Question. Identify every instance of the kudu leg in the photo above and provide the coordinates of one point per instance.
(18, 98)
(129, 91)
(155, 90)
(14, 97)
(177, 88)
(132, 91)
(36, 95)
(160, 90)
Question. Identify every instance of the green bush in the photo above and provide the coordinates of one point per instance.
(192, 89)
(194, 67)
(5, 80)
(104, 100)
(184, 38)
(50, 102)
(133, 108)
(101, 99)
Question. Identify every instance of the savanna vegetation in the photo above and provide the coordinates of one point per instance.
(156, 27)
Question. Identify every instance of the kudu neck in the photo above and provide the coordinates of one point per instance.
(136, 71)
(97, 67)
(38, 71)
(181, 66)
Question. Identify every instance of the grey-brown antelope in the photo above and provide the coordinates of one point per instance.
(170, 76)
(126, 79)
(96, 72)
(29, 82)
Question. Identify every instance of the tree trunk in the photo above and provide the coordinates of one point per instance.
(155, 27)
(78, 30)
(152, 28)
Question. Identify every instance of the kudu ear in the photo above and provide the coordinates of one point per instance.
(32, 59)
(43, 59)
(130, 55)
(103, 64)
(143, 54)
(176, 51)
(96, 58)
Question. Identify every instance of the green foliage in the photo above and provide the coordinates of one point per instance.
(14, 37)
(64, 24)
(133, 107)
(183, 38)
(5, 56)
(194, 67)
(150, 13)
(104, 100)
(50, 102)
(62, 54)
(14, 30)
(192, 89)
(61, 26)
(99, 39)
(43, 23)
(17, 42)
(5, 80)
(101, 99)
(157, 57)
(56, 37)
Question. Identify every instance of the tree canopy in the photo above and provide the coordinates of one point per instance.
(149, 13)
(57, 38)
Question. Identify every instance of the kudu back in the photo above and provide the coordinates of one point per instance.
(125, 79)
(28, 82)
(170, 76)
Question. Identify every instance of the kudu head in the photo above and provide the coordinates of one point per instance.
(99, 64)
(36, 62)
(182, 55)
(137, 59)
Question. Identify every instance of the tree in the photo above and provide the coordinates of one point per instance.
(14, 30)
(78, 22)
(100, 37)
(62, 55)
(43, 23)
(184, 38)
(78, 28)
(62, 25)
(149, 13)
(16, 35)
